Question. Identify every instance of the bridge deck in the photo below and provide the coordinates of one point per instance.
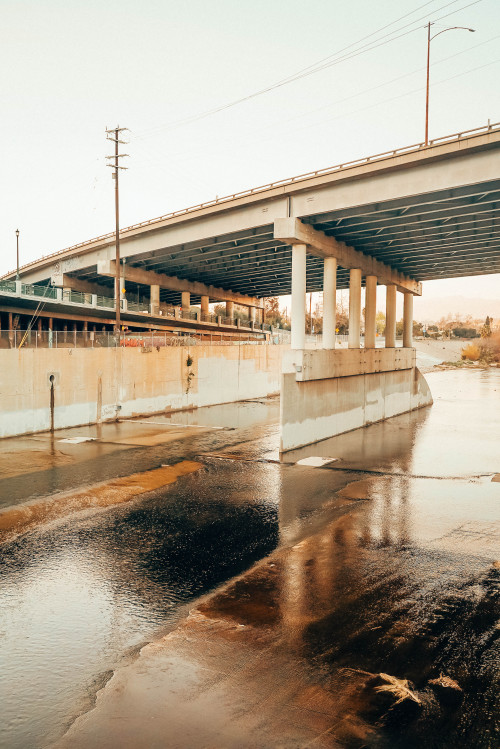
(429, 212)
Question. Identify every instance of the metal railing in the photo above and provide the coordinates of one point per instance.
(279, 183)
(105, 301)
(68, 296)
(44, 292)
(67, 339)
(137, 306)
(9, 286)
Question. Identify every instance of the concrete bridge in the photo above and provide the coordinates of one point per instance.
(393, 219)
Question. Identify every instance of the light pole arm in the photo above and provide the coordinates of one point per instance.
(451, 28)
(429, 40)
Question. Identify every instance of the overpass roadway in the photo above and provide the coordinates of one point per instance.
(424, 212)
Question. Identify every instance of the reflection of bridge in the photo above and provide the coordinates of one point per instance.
(395, 219)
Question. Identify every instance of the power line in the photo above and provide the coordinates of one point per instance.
(406, 93)
(334, 59)
(253, 135)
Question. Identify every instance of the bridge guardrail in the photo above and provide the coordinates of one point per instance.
(45, 292)
(9, 286)
(90, 301)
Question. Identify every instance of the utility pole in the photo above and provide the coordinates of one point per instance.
(114, 136)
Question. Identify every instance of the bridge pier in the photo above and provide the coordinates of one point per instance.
(298, 334)
(370, 311)
(329, 301)
(154, 299)
(408, 321)
(390, 316)
(185, 301)
(354, 308)
(329, 391)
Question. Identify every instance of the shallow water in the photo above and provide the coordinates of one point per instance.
(80, 595)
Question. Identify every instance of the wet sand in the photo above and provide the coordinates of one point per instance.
(397, 573)
(20, 519)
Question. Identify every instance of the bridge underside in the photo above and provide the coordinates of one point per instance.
(440, 234)
(395, 219)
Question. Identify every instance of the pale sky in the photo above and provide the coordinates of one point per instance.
(71, 68)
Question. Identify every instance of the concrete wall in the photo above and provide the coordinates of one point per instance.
(314, 409)
(101, 384)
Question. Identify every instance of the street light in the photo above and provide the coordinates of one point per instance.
(429, 40)
(17, 243)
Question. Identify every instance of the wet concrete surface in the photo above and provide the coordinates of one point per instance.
(382, 560)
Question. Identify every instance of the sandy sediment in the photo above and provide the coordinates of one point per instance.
(22, 518)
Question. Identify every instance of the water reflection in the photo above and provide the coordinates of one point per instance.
(77, 596)
(380, 590)
(374, 566)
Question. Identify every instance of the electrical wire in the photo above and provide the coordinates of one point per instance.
(258, 135)
(317, 67)
(394, 98)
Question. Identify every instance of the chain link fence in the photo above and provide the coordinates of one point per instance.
(35, 339)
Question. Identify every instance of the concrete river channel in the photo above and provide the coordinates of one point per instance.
(168, 582)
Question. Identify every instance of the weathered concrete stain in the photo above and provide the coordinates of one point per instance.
(315, 408)
(103, 384)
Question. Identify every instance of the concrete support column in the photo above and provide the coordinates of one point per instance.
(298, 296)
(11, 331)
(354, 307)
(370, 311)
(230, 310)
(329, 301)
(154, 299)
(50, 334)
(205, 300)
(186, 301)
(408, 320)
(390, 317)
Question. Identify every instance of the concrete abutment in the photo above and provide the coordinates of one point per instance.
(325, 393)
